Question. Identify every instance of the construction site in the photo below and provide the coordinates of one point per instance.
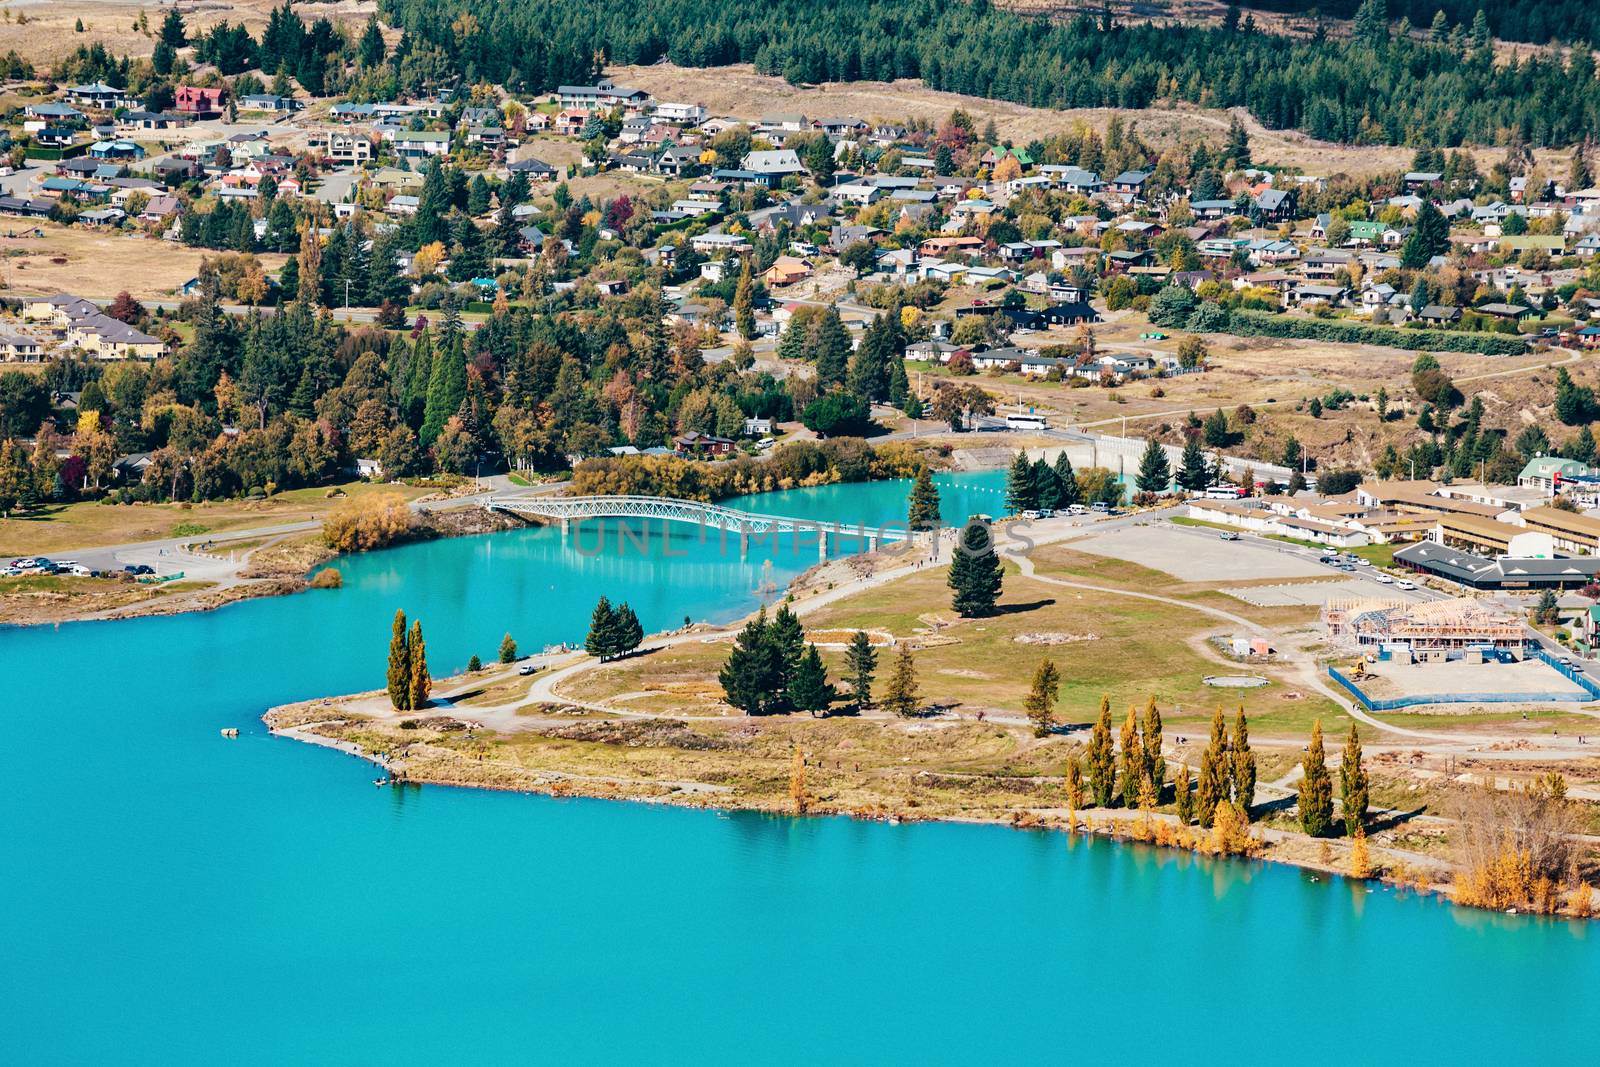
(1428, 631)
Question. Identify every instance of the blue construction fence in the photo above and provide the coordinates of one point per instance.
(1577, 677)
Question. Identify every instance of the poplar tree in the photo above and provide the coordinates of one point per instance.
(976, 573)
(421, 682)
(1041, 701)
(1212, 787)
(902, 697)
(1102, 765)
(399, 665)
(1184, 797)
(744, 306)
(924, 514)
(1155, 764)
(861, 659)
(1244, 763)
(1075, 796)
(808, 686)
(508, 649)
(1132, 760)
(1353, 785)
(1316, 788)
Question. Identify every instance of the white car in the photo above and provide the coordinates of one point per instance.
(1363, 563)
(80, 571)
(1030, 513)
(1405, 583)
(1385, 579)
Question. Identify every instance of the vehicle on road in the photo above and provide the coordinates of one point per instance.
(1384, 579)
(1405, 583)
(527, 668)
(1230, 535)
(1027, 422)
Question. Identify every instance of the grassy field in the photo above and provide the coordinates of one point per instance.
(99, 264)
(90, 525)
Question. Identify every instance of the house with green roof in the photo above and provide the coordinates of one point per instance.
(1543, 472)
(996, 153)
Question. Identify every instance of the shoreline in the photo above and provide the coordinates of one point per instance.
(1118, 825)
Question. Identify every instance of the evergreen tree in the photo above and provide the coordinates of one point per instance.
(628, 630)
(924, 514)
(601, 641)
(830, 349)
(788, 640)
(399, 677)
(1067, 491)
(1132, 760)
(1237, 149)
(1193, 474)
(1244, 763)
(1155, 764)
(1021, 492)
(1155, 473)
(1212, 787)
(173, 34)
(1102, 765)
(744, 306)
(371, 50)
(809, 689)
(861, 660)
(1044, 483)
(1353, 785)
(901, 696)
(750, 675)
(447, 388)
(508, 649)
(1429, 237)
(976, 572)
(421, 683)
(1042, 695)
(1316, 788)
(1184, 797)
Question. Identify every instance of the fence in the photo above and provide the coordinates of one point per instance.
(1397, 703)
(1572, 674)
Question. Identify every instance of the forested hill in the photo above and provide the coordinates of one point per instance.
(1369, 88)
(1538, 21)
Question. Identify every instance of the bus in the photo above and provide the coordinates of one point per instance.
(1224, 492)
(1027, 422)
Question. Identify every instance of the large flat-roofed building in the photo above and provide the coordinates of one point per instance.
(1491, 537)
(1571, 532)
(1479, 572)
(1421, 498)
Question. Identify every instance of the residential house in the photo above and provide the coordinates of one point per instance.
(771, 166)
(535, 169)
(106, 338)
(687, 115)
(418, 144)
(21, 347)
(101, 97)
(697, 445)
(201, 101)
(350, 146)
(277, 105)
(1276, 205)
(710, 243)
(604, 95)
(1129, 186)
(51, 113)
(1439, 315)
(786, 270)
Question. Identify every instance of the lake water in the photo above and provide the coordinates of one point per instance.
(170, 897)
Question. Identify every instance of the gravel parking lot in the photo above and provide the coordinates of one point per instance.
(1199, 556)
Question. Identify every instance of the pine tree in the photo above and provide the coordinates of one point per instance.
(1353, 785)
(831, 349)
(399, 665)
(1155, 473)
(902, 698)
(474, 664)
(629, 632)
(1212, 786)
(601, 641)
(744, 306)
(976, 572)
(1237, 149)
(1244, 763)
(173, 34)
(862, 660)
(1132, 760)
(1316, 788)
(751, 669)
(1041, 701)
(1102, 765)
(1193, 474)
(788, 640)
(1021, 493)
(447, 387)
(1184, 797)
(421, 683)
(924, 514)
(1067, 491)
(808, 686)
(1155, 764)
(508, 649)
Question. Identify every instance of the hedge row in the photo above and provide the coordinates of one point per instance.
(1261, 324)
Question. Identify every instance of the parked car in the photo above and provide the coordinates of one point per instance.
(139, 568)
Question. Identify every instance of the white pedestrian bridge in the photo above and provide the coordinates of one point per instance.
(746, 524)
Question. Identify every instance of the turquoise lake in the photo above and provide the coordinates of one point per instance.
(170, 897)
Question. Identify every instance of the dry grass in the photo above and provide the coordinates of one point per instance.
(51, 598)
(99, 264)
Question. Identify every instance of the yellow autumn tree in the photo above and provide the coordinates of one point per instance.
(427, 259)
(1360, 857)
(1008, 169)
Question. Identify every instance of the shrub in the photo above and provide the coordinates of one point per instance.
(328, 579)
(367, 522)
(1261, 324)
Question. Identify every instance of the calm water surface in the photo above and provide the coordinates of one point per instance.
(170, 897)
